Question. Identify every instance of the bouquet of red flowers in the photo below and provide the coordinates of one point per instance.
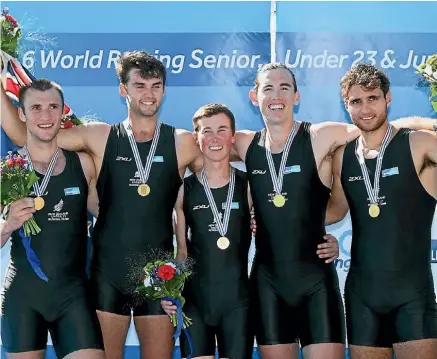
(11, 33)
(165, 279)
(17, 180)
(16, 74)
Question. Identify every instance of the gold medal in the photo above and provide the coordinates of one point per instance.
(39, 203)
(223, 242)
(143, 190)
(278, 200)
(374, 210)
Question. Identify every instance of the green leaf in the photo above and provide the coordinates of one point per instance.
(6, 188)
(32, 179)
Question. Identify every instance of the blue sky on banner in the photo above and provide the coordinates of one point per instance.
(356, 30)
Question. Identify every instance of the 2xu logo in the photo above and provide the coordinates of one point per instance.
(201, 206)
(258, 172)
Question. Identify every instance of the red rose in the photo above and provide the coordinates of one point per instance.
(10, 162)
(20, 161)
(166, 272)
(68, 124)
(11, 20)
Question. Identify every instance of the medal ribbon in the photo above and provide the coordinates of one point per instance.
(37, 188)
(143, 171)
(373, 192)
(222, 226)
(278, 179)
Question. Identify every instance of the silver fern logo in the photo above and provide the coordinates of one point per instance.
(59, 206)
(59, 213)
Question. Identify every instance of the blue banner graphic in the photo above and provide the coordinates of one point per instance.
(320, 59)
(191, 59)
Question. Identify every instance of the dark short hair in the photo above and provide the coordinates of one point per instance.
(273, 66)
(39, 85)
(364, 75)
(210, 110)
(149, 66)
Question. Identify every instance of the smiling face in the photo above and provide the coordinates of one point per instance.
(144, 95)
(367, 107)
(215, 136)
(275, 95)
(42, 111)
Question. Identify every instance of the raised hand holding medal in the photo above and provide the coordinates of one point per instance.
(277, 179)
(39, 189)
(223, 242)
(144, 171)
(373, 193)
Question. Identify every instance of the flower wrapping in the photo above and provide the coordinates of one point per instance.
(17, 180)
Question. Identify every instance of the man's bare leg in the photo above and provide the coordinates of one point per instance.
(114, 331)
(155, 334)
(363, 352)
(38, 354)
(279, 351)
(416, 349)
(324, 351)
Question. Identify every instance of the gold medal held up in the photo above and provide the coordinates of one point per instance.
(39, 203)
(143, 190)
(279, 200)
(374, 210)
(223, 243)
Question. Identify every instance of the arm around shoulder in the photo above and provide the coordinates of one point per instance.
(187, 150)
(329, 136)
(90, 138)
(242, 142)
(416, 123)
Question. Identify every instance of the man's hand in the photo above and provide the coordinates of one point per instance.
(329, 249)
(19, 212)
(168, 307)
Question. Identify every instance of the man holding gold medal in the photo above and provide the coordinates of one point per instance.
(46, 286)
(388, 179)
(140, 164)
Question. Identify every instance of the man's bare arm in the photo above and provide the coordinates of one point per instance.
(425, 144)
(90, 174)
(337, 205)
(11, 123)
(328, 136)
(90, 138)
(181, 253)
(188, 152)
(415, 123)
(242, 143)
